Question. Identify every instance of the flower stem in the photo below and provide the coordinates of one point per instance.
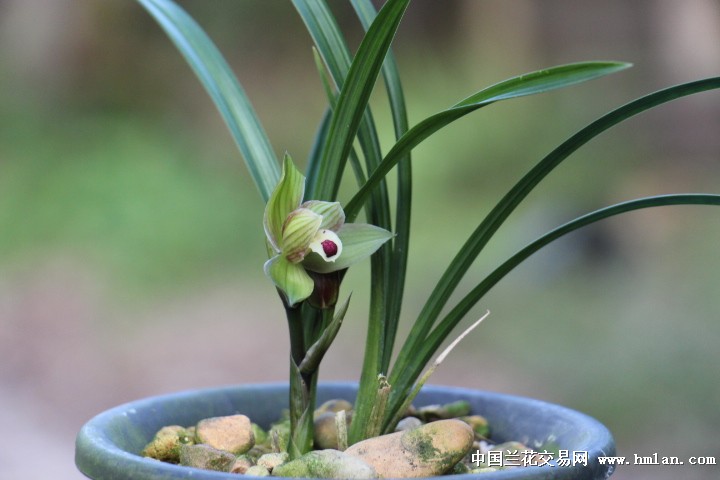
(306, 325)
(302, 386)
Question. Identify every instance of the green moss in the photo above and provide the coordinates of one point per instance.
(206, 457)
(165, 445)
(419, 442)
(479, 424)
(261, 436)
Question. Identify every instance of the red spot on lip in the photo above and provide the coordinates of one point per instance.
(329, 247)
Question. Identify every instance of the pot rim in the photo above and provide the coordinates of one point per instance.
(99, 442)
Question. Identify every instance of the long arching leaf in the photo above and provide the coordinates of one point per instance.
(529, 84)
(386, 300)
(366, 12)
(224, 89)
(354, 97)
(482, 235)
(450, 321)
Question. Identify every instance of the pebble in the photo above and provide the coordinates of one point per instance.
(257, 471)
(206, 457)
(325, 434)
(232, 433)
(165, 446)
(334, 406)
(261, 436)
(272, 460)
(430, 450)
(479, 424)
(241, 464)
(431, 413)
(408, 423)
(326, 464)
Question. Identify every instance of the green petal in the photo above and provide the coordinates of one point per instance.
(290, 278)
(359, 241)
(284, 199)
(332, 213)
(299, 230)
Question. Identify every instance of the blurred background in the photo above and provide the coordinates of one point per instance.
(131, 244)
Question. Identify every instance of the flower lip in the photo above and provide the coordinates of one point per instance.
(329, 247)
(327, 244)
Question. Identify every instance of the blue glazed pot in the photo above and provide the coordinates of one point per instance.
(108, 446)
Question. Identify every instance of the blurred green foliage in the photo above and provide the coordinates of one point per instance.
(124, 195)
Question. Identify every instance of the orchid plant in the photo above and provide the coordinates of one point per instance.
(312, 240)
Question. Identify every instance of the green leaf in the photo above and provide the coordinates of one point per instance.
(359, 241)
(319, 140)
(450, 321)
(331, 46)
(543, 81)
(224, 89)
(354, 96)
(390, 263)
(327, 36)
(285, 198)
(531, 83)
(485, 231)
(395, 416)
(330, 50)
(317, 351)
(398, 266)
(291, 278)
(301, 413)
(324, 78)
(374, 425)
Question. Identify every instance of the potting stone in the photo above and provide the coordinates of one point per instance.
(446, 411)
(334, 406)
(165, 446)
(325, 432)
(326, 464)
(408, 423)
(272, 460)
(206, 457)
(232, 433)
(241, 464)
(479, 424)
(261, 436)
(257, 471)
(426, 451)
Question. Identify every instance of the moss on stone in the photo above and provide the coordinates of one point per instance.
(420, 443)
(165, 445)
(206, 457)
(261, 436)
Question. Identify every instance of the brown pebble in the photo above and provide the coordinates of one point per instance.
(232, 433)
(429, 450)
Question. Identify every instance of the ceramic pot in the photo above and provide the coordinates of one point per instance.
(108, 446)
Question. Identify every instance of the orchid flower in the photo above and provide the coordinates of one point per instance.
(310, 236)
